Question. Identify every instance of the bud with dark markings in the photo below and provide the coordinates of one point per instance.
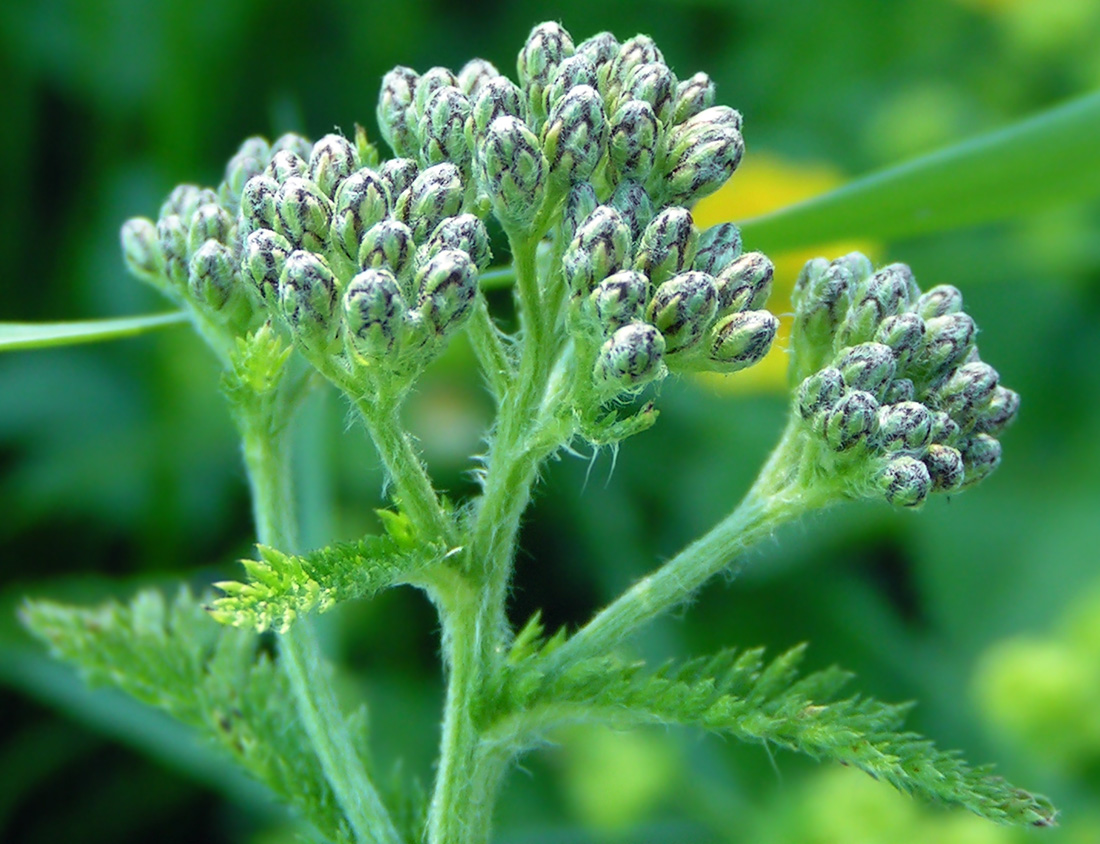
(906, 426)
(600, 248)
(141, 249)
(307, 298)
(652, 83)
(513, 172)
(212, 275)
(635, 206)
(820, 391)
(905, 482)
(286, 164)
(209, 222)
(332, 159)
(475, 75)
(547, 46)
(940, 301)
(631, 358)
(579, 203)
(362, 200)
(434, 195)
(258, 203)
(632, 143)
(745, 283)
(374, 311)
(700, 159)
(172, 241)
(741, 340)
(620, 299)
(388, 244)
(396, 118)
(869, 367)
(718, 247)
(575, 134)
(303, 214)
(945, 467)
(683, 309)
(448, 285)
(667, 246)
(851, 421)
(442, 129)
(466, 233)
(265, 254)
(693, 96)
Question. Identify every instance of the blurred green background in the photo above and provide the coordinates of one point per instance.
(118, 465)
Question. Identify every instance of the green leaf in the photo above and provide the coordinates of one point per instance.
(281, 587)
(42, 335)
(737, 694)
(1045, 160)
(218, 680)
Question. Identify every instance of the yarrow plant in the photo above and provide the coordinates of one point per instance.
(321, 261)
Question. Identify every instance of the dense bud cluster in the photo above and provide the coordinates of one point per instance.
(890, 380)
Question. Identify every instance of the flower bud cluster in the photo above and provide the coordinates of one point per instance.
(665, 297)
(602, 112)
(890, 380)
(378, 265)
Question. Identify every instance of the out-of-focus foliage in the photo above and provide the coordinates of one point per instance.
(118, 460)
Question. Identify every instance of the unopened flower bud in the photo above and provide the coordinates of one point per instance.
(718, 247)
(172, 241)
(513, 172)
(821, 297)
(474, 75)
(692, 96)
(209, 222)
(742, 339)
(701, 160)
(286, 164)
(639, 50)
(388, 244)
(682, 309)
(574, 71)
(307, 297)
(882, 295)
(398, 174)
(899, 390)
(868, 367)
(635, 206)
(396, 118)
(374, 311)
(947, 342)
(851, 421)
(183, 200)
(547, 46)
(141, 249)
(667, 246)
(434, 195)
(447, 284)
(904, 334)
(579, 203)
(655, 84)
(362, 200)
(443, 129)
(250, 160)
(211, 275)
(819, 391)
(745, 283)
(332, 159)
(905, 482)
(620, 299)
(303, 214)
(945, 430)
(940, 301)
(632, 143)
(632, 357)
(945, 467)
(600, 248)
(999, 413)
(258, 200)
(293, 142)
(967, 391)
(981, 455)
(904, 426)
(498, 97)
(433, 80)
(265, 254)
(466, 233)
(599, 49)
(575, 134)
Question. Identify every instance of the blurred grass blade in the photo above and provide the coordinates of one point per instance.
(41, 335)
(1048, 159)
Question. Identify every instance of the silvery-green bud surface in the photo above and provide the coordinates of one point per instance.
(388, 244)
(899, 390)
(620, 299)
(947, 341)
(693, 96)
(906, 426)
(745, 283)
(632, 357)
(466, 233)
(944, 428)
(209, 222)
(639, 50)
(719, 246)
(574, 71)
(868, 367)
(882, 295)
(374, 311)
(211, 275)
(141, 249)
(396, 119)
(904, 334)
(513, 172)
(442, 129)
(999, 413)
(945, 467)
(981, 455)
(940, 301)
(635, 206)
(474, 75)
(967, 391)
(668, 245)
(547, 46)
(435, 194)
(433, 80)
(742, 339)
(905, 482)
(575, 134)
(819, 391)
(362, 200)
(332, 159)
(286, 164)
(292, 142)
(600, 49)
(821, 295)
(448, 285)
(579, 203)
(172, 241)
(600, 248)
(498, 97)
(258, 201)
(683, 309)
(250, 160)
(632, 143)
(307, 297)
(303, 214)
(265, 254)
(652, 83)
(851, 421)
(398, 174)
(700, 160)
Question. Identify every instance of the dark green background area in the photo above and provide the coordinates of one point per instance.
(118, 466)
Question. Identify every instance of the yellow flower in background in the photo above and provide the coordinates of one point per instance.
(762, 184)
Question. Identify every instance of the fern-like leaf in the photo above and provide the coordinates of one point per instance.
(738, 694)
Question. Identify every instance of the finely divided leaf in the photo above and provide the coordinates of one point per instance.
(737, 694)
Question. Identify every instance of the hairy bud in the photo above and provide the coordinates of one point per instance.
(905, 482)
(652, 83)
(745, 283)
(141, 249)
(742, 339)
(398, 175)
(265, 254)
(904, 335)
(575, 135)
(258, 203)
(292, 142)
(475, 75)
(940, 301)
(945, 467)
(700, 159)
(635, 206)
(682, 309)
(547, 46)
(172, 242)
(1003, 406)
(948, 340)
(601, 51)
(396, 118)
(513, 172)
(209, 222)
(944, 429)
(211, 275)
(718, 247)
(374, 311)
(433, 80)
(250, 160)
(362, 200)
(442, 129)
(967, 391)
(498, 97)
(632, 143)
(868, 367)
(434, 195)
(981, 455)
(303, 214)
(851, 421)
(466, 233)
(286, 164)
(620, 299)
(600, 248)
(899, 390)
(388, 244)
(332, 159)
(447, 284)
(307, 297)
(575, 71)
(906, 426)
(633, 356)
(880, 296)
(579, 204)
(183, 200)
(667, 246)
(639, 50)
(693, 96)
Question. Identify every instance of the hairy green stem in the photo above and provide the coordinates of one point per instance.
(489, 349)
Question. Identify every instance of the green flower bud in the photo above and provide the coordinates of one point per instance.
(575, 134)
(899, 390)
(904, 334)
(286, 164)
(396, 119)
(448, 285)
(547, 46)
(579, 204)
(443, 129)
(293, 142)
(700, 160)
(821, 390)
(905, 482)
(632, 144)
(940, 301)
(258, 201)
(600, 248)
(141, 249)
(904, 426)
(209, 222)
(740, 340)
(999, 413)
(652, 83)
(433, 196)
(307, 297)
(600, 49)
(945, 430)
(967, 391)
(398, 174)
(571, 73)
(249, 161)
(265, 254)
(882, 295)
(362, 200)
(718, 247)
(639, 50)
(466, 233)
(948, 340)
(211, 275)
(851, 421)
(945, 467)
(692, 96)
(184, 199)
(513, 172)
(303, 214)
(745, 283)
(682, 309)
(389, 245)
(172, 241)
(332, 159)
(498, 97)
(433, 80)
(374, 311)
(869, 367)
(620, 299)
(821, 297)
(981, 455)
(635, 206)
(632, 357)
(667, 246)
(474, 75)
